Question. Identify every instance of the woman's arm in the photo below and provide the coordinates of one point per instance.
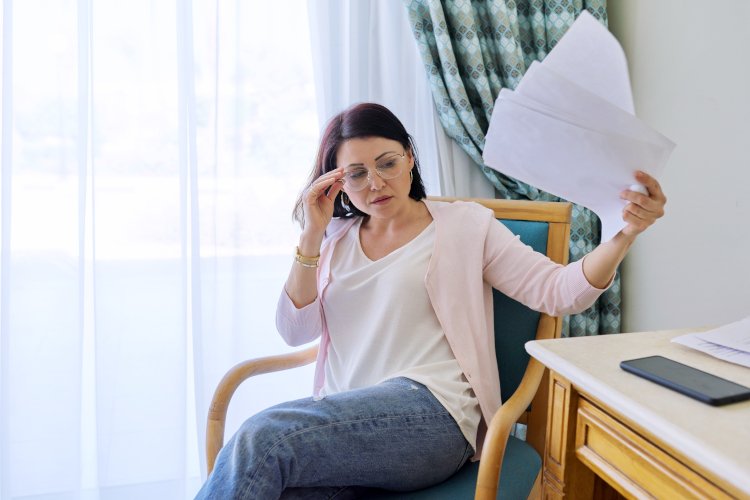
(301, 285)
(298, 317)
(534, 280)
(599, 265)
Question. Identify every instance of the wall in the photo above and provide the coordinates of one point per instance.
(690, 73)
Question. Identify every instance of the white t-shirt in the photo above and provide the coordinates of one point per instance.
(382, 325)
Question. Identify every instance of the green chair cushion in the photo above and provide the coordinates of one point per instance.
(521, 465)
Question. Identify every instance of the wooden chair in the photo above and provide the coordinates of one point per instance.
(544, 226)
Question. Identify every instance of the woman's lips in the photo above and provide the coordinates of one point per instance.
(381, 200)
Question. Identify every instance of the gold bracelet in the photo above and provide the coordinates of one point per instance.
(306, 261)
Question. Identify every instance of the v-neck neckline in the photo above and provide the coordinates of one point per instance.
(395, 250)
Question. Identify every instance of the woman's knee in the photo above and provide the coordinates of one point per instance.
(262, 431)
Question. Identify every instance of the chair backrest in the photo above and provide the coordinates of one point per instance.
(516, 324)
(544, 226)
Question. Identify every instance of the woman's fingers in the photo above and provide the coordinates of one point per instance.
(634, 220)
(643, 210)
(334, 190)
(653, 186)
(640, 212)
(644, 202)
(319, 187)
(653, 202)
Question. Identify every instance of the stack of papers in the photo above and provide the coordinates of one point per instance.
(730, 342)
(569, 128)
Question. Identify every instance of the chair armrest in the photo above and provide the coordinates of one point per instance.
(217, 413)
(499, 430)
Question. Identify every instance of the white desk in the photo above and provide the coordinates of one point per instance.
(641, 438)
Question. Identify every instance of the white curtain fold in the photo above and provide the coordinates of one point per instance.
(151, 155)
(6, 110)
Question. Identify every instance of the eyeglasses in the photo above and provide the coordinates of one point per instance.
(390, 167)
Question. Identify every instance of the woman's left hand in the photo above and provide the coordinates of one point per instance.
(643, 210)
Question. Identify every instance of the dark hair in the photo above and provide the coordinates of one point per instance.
(359, 121)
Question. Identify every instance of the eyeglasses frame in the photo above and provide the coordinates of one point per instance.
(369, 175)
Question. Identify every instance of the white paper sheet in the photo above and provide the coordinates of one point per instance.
(730, 342)
(568, 128)
(735, 335)
(570, 101)
(591, 56)
(581, 165)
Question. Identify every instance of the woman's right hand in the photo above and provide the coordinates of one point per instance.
(318, 208)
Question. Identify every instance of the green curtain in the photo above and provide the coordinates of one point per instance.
(471, 50)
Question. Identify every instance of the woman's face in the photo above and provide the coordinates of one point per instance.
(361, 159)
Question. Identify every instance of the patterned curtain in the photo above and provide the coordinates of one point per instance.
(471, 50)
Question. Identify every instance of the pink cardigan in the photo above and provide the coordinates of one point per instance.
(473, 253)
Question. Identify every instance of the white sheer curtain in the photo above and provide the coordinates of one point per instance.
(365, 51)
(151, 154)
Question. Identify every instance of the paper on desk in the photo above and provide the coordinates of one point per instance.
(568, 128)
(730, 342)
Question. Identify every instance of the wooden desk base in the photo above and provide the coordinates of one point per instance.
(591, 453)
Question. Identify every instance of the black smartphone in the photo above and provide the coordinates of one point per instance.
(687, 380)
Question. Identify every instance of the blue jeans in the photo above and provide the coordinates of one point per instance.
(394, 436)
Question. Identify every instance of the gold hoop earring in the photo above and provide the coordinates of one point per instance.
(411, 176)
(345, 202)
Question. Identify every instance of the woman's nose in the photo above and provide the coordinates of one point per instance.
(375, 181)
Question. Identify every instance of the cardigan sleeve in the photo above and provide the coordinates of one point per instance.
(532, 278)
(298, 326)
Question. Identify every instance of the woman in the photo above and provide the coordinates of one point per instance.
(398, 288)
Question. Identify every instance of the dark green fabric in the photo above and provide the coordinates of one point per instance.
(521, 465)
(516, 324)
(473, 49)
